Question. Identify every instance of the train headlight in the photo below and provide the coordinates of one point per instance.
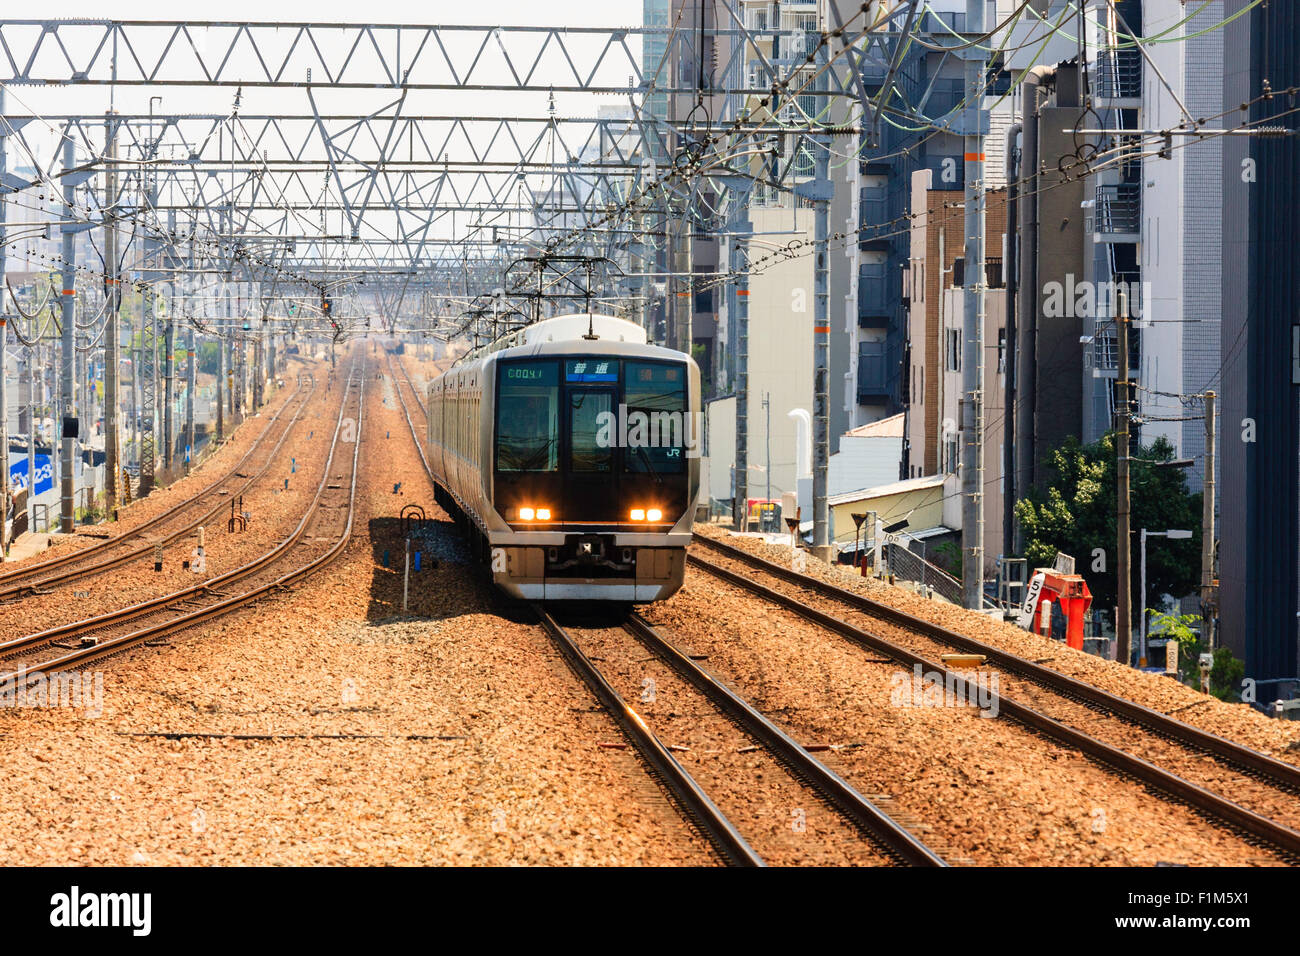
(653, 514)
(543, 514)
(527, 514)
(638, 514)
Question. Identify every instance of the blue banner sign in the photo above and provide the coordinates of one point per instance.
(44, 474)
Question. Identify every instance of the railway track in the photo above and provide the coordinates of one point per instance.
(401, 373)
(323, 532)
(132, 544)
(1159, 751)
(398, 372)
(890, 841)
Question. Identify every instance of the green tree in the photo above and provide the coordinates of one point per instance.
(1075, 513)
(207, 359)
(1227, 670)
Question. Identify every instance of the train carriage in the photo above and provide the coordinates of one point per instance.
(568, 452)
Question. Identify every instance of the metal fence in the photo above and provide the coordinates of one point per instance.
(1119, 74)
(910, 566)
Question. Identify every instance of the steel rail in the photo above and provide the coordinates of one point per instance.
(1234, 815)
(419, 445)
(1228, 750)
(688, 793)
(41, 567)
(892, 835)
(82, 656)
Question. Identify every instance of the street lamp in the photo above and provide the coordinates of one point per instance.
(1173, 535)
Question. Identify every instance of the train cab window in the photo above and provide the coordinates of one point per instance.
(590, 448)
(528, 399)
(657, 437)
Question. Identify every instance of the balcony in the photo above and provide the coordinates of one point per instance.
(873, 210)
(874, 307)
(872, 388)
(1118, 213)
(1119, 78)
(1105, 351)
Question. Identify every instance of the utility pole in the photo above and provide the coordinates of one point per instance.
(684, 301)
(1207, 529)
(740, 191)
(819, 190)
(1123, 543)
(31, 438)
(191, 379)
(259, 362)
(767, 406)
(169, 359)
(4, 396)
(67, 355)
(147, 369)
(972, 404)
(112, 292)
(223, 309)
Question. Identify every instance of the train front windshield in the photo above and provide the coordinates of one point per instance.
(587, 442)
(528, 417)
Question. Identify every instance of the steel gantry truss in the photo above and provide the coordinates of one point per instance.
(418, 162)
(377, 189)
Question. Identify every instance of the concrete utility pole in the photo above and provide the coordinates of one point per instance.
(222, 309)
(147, 369)
(190, 381)
(67, 352)
(819, 190)
(113, 292)
(1123, 543)
(4, 396)
(31, 438)
(740, 269)
(1207, 528)
(972, 404)
(259, 361)
(684, 301)
(169, 360)
(767, 407)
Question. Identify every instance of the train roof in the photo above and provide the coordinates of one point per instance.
(567, 328)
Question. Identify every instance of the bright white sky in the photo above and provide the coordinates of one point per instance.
(93, 100)
(624, 13)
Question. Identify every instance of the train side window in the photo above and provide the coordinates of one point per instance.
(528, 415)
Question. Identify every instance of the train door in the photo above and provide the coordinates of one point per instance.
(591, 485)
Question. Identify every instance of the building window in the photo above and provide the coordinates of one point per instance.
(952, 354)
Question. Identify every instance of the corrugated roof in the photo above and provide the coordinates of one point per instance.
(894, 488)
(891, 427)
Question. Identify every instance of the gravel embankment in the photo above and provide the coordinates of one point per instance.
(1246, 789)
(274, 513)
(130, 516)
(986, 789)
(785, 821)
(452, 734)
(1239, 722)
